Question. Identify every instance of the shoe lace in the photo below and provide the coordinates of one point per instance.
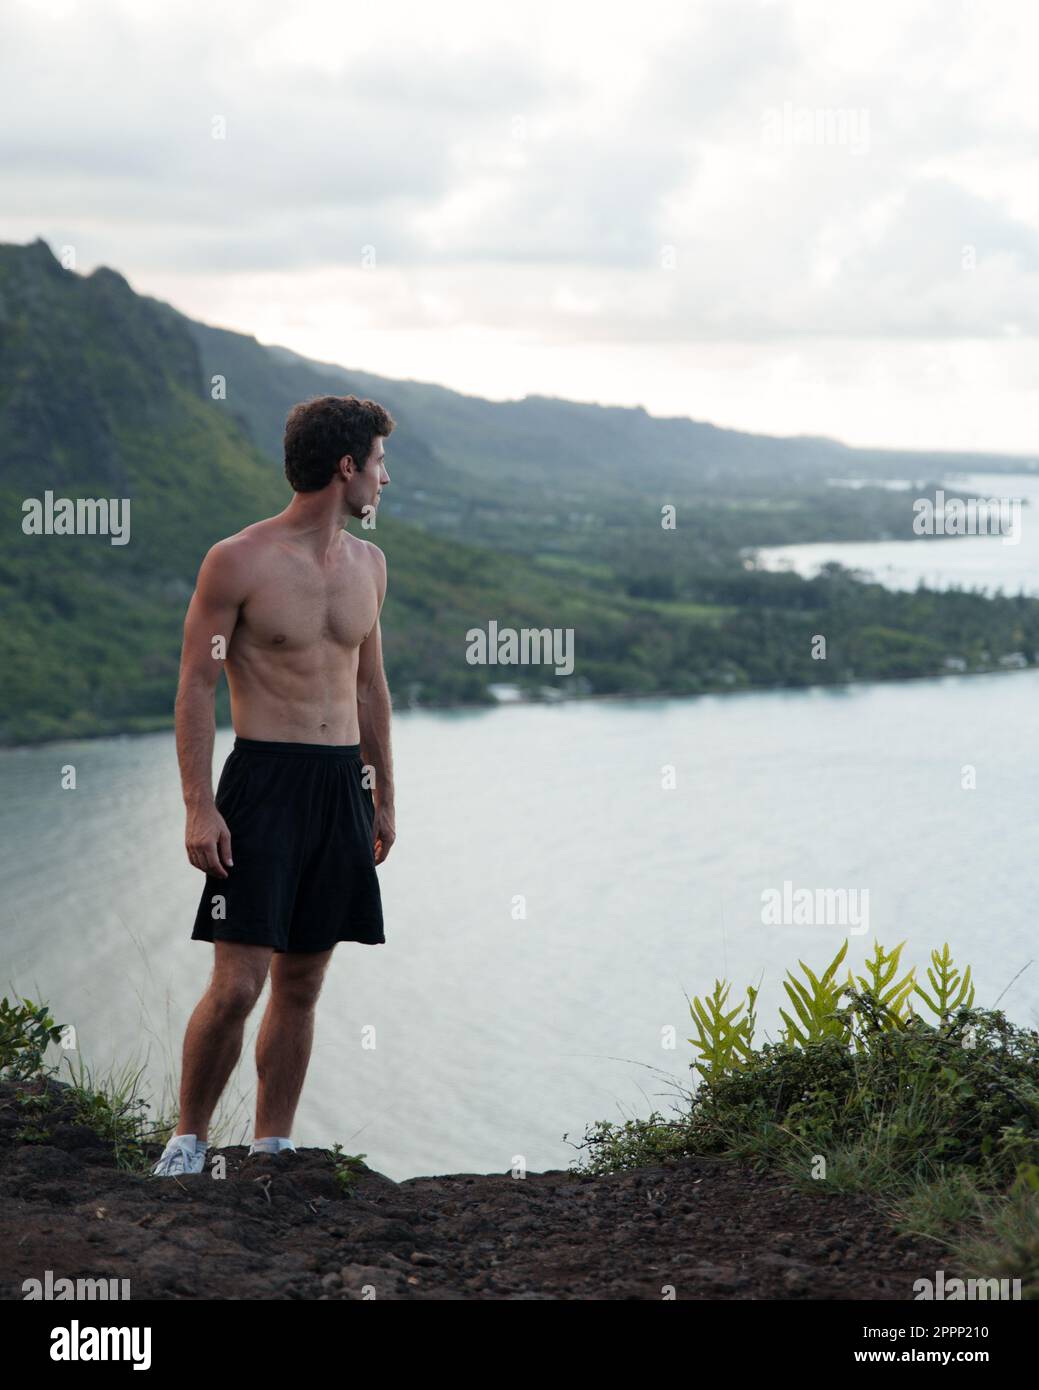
(176, 1161)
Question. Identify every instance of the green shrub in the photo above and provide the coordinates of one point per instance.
(937, 1119)
(346, 1168)
(723, 1040)
(26, 1031)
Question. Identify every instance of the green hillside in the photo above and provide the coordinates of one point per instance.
(100, 397)
(104, 394)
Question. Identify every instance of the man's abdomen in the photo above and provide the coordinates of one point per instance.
(292, 700)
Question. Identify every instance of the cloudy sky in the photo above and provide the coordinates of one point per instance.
(788, 217)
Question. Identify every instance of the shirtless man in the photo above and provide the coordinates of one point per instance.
(304, 808)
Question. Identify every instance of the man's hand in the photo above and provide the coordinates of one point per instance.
(384, 833)
(208, 841)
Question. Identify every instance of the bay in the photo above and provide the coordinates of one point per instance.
(497, 1033)
(982, 562)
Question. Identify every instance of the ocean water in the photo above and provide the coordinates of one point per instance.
(971, 562)
(564, 877)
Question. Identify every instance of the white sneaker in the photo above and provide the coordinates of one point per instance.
(272, 1146)
(180, 1156)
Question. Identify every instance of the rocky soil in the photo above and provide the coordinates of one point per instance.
(281, 1227)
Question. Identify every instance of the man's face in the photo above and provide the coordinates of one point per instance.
(364, 487)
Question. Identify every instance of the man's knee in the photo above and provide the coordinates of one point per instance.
(235, 995)
(296, 986)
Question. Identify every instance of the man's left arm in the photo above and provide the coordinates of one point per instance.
(373, 718)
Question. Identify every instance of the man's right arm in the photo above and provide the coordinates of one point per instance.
(212, 614)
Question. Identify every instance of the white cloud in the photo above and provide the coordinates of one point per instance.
(524, 173)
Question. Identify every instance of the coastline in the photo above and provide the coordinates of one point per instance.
(145, 728)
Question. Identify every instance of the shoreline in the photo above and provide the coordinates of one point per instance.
(568, 700)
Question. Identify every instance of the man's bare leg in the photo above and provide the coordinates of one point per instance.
(213, 1041)
(285, 1039)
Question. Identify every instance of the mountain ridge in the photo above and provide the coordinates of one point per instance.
(497, 511)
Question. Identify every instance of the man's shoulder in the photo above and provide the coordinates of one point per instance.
(367, 549)
(238, 550)
(228, 569)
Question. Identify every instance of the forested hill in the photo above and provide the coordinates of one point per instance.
(103, 395)
(539, 513)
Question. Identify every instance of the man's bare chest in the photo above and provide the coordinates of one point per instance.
(294, 607)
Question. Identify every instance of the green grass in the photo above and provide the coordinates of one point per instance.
(116, 1105)
(116, 1108)
(713, 613)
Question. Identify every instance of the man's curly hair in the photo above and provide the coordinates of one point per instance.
(319, 432)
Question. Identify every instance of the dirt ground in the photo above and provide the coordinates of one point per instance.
(279, 1227)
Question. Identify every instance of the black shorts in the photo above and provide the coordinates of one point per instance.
(303, 873)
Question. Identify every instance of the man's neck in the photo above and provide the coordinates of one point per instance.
(317, 518)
